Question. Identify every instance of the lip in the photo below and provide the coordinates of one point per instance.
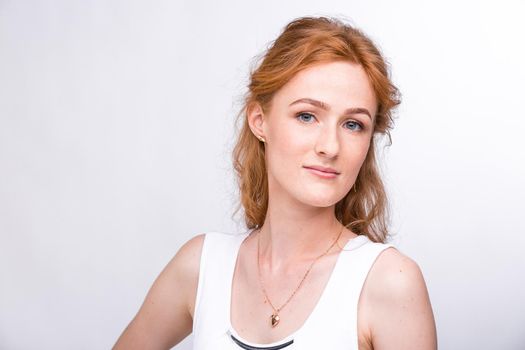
(323, 169)
(321, 173)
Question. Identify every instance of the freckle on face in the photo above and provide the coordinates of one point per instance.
(340, 86)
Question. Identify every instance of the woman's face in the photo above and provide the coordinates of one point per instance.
(324, 116)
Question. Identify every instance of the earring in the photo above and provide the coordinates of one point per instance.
(262, 139)
(355, 188)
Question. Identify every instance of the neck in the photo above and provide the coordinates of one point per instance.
(294, 233)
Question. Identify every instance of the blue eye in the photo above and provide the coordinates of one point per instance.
(354, 126)
(305, 114)
(308, 117)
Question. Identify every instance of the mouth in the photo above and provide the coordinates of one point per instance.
(323, 169)
(321, 173)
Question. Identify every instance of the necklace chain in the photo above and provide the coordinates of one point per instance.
(275, 316)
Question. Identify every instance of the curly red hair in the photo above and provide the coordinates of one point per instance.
(305, 42)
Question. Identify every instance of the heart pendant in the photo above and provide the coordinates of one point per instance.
(275, 319)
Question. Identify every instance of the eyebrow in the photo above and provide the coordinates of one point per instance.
(326, 107)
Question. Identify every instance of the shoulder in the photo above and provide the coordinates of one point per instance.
(395, 275)
(165, 317)
(181, 274)
(187, 258)
(399, 309)
(186, 264)
(185, 267)
(180, 277)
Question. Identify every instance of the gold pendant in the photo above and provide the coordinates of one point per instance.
(275, 319)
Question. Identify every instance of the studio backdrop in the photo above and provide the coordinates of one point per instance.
(116, 130)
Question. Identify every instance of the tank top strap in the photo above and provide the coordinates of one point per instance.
(217, 264)
(335, 316)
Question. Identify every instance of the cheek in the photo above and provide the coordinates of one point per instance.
(362, 149)
(288, 139)
(355, 155)
(286, 153)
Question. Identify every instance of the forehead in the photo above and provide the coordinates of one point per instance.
(339, 84)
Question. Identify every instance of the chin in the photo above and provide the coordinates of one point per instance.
(323, 200)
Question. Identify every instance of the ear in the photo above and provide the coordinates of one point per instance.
(256, 119)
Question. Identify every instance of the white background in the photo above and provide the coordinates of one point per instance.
(116, 122)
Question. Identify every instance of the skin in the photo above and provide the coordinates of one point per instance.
(394, 310)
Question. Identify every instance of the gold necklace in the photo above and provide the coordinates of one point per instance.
(274, 318)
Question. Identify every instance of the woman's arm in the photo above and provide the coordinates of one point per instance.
(166, 316)
(399, 312)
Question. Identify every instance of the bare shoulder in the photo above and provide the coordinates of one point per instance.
(399, 312)
(396, 275)
(184, 267)
(187, 260)
(166, 315)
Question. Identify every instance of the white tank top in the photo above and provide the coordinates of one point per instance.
(331, 325)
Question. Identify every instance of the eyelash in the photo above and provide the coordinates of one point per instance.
(298, 116)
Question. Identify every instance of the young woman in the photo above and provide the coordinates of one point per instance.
(313, 270)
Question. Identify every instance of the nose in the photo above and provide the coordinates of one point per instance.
(327, 143)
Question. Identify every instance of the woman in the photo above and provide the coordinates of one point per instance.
(313, 271)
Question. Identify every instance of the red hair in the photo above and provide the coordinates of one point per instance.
(305, 42)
